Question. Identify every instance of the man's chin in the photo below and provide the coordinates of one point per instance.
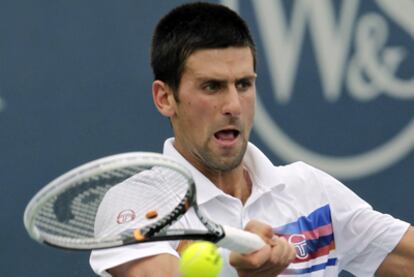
(228, 161)
(225, 158)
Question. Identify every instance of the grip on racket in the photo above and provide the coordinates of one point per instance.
(240, 241)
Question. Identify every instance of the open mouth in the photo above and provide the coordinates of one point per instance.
(227, 134)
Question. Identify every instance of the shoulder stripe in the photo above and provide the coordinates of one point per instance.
(321, 266)
(318, 218)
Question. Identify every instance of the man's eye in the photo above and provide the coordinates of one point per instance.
(243, 85)
(212, 86)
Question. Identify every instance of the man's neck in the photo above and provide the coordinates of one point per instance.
(236, 183)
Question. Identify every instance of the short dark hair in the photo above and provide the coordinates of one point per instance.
(191, 27)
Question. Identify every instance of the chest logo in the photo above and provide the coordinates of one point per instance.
(301, 247)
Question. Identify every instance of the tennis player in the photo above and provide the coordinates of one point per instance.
(204, 62)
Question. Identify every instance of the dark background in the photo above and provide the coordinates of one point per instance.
(75, 85)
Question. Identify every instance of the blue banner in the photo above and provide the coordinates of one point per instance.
(335, 88)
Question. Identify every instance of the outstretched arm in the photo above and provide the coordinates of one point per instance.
(159, 265)
(400, 262)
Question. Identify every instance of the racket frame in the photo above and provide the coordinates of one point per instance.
(157, 231)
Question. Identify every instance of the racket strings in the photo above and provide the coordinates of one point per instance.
(72, 213)
(78, 216)
(158, 190)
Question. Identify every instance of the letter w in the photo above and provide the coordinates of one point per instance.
(283, 43)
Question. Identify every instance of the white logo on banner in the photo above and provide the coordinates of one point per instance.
(368, 73)
(2, 104)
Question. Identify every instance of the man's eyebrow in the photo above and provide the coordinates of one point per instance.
(202, 79)
(209, 81)
(249, 77)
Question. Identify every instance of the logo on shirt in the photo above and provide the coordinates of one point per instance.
(125, 216)
(299, 242)
(340, 83)
(313, 239)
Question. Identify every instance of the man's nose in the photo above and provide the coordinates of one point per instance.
(231, 102)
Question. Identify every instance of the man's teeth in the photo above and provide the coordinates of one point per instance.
(226, 134)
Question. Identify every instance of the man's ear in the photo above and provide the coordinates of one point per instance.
(163, 98)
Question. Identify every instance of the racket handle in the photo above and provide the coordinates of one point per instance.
(240, 241)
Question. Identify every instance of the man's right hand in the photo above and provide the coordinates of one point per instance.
(269, 261)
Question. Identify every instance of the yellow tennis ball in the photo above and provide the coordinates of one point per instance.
(201, 259)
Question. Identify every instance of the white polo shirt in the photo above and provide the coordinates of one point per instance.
(331, 227)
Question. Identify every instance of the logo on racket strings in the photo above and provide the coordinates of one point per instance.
(125, 216)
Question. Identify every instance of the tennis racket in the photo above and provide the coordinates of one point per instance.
(76, 210)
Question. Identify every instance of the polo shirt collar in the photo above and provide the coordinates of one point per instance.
(261, 170)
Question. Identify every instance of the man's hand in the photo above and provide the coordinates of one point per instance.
(270, 261)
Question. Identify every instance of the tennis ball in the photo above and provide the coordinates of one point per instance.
(201, 259)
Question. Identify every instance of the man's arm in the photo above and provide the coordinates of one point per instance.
(159, 265)
(268, 261)
(400, 262)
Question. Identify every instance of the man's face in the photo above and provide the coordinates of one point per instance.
(214, 115)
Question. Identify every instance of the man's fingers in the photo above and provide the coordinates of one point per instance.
(251, 261)
(269, 261)
(279, 251)
(261, 229)
(282, 251)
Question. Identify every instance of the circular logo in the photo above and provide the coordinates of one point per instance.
(348, 167)
(125, 216)
(352, 52)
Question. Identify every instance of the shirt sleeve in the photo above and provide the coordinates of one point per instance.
(104, 259)
(363, 236)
